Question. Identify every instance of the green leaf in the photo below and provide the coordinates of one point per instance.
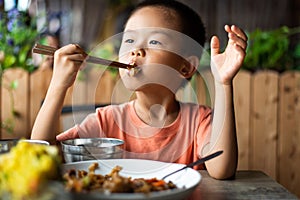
(296, 52)
(14, 84)
(8, 125)
(9, 61)
(22, 57)
(271, 49)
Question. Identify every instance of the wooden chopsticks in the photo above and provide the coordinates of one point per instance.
(48, 50)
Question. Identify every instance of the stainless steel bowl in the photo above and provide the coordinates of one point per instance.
(91, 148)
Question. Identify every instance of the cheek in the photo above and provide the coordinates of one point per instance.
(129, 82)
(167, 58)
(123, 58)
(125, 52)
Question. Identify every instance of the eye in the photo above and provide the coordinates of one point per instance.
(129, 41)
(155, 42)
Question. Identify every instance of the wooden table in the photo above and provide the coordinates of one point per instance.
(246, 185)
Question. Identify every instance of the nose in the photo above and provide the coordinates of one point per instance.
(138, 53)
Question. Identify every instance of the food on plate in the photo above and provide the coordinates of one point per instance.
(26, 168)
(84, 181)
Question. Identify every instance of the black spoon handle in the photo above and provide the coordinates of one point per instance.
(206, 158)
(198, 162)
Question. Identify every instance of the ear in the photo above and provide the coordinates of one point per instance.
(190, 65)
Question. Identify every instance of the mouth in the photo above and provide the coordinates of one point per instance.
(134, 70)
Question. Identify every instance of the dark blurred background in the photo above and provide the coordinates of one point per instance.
(90, 21)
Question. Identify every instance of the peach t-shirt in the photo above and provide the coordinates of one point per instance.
(180, 142)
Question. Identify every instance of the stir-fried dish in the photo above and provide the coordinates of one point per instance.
(83, 181)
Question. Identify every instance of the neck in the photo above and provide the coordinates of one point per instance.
(158, 108)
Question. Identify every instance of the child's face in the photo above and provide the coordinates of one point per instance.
(151, 42)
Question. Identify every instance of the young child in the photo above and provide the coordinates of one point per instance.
(156, 125)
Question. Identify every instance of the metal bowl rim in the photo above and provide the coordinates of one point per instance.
(70, 142)
(68, 146)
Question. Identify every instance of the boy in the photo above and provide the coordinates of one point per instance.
(155, 125)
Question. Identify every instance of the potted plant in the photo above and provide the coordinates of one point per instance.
(17, 35)
(272, 50)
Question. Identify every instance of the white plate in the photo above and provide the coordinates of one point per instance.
(186, 180)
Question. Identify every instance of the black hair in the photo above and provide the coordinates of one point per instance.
(191, 23)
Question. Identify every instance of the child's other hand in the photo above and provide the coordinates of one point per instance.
(226, 65)
(67, 62)
(67, 136)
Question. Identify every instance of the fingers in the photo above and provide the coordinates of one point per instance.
(214, 45)
(66, 136)
(68, 60)
(236, 30)
(71, 56)
(236, 36)
(73, 51)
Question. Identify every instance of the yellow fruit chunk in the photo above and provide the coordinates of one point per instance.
(26, 168)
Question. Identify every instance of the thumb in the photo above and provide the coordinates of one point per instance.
(214, 46)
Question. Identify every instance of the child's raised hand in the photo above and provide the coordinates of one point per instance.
(67, 62)
(226, 65)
